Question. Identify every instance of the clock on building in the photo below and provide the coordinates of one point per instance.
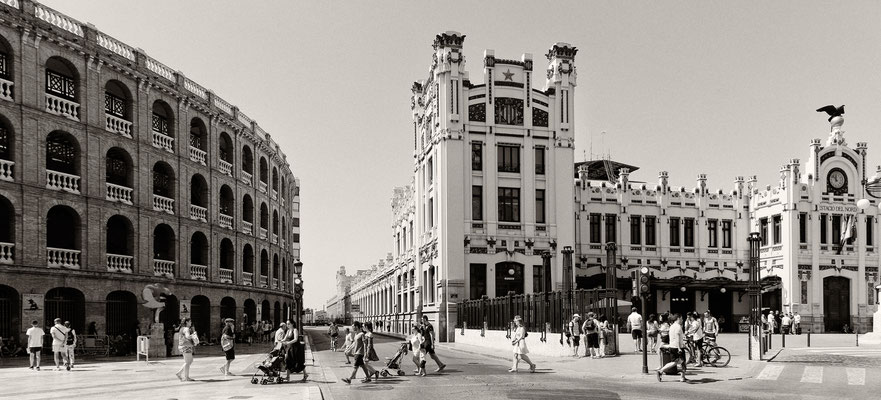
(836, 182)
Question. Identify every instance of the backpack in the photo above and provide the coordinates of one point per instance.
(69, 337)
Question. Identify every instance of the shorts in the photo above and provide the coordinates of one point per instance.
(35, 350)
(57, 347)
(636, 333)
(359, 360)
(230, 354)
(429, 350)
(593, 340)
(576, 340)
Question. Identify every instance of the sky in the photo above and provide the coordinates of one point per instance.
(722, 88)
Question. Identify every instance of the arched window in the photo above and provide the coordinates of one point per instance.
(264, 263)
(275, 223)
(199, 249)
(198, 198)
(62, 91)
(200, 314)
(275, 180)
(118, 174)
(264, 219)
(275, 270)
(264, 172)
(198, 141)
(62, 162)
(247, 161)
(163, 135)
(117, 108)
(227, 260)
(163, 187)
(6, 65)
(7, 223)
(63, 237)
(6, 146)
(119, 236)
(247, 209)
(226, 149)
(227, 201)
(163, 250)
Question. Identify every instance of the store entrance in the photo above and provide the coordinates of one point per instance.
(681, 302)
(836, 303)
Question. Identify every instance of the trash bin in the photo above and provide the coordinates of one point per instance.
(668, 355)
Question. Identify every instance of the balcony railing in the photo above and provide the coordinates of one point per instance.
(198, 213)
(197, 155)
(7, 254)
(274, 238)
(264, 281)
(262, 186)
(247, 278)
(199, 272)
(6, 170)
(225, 168)
(263, 233)
(119, 193)
(274, 194)
(275, 283)
(163, 141)
(120, 263)
(118, 125)
(247, 227)
(66, 258)
(6, 90)
(161, 203)
(246, 178)
(65, 108)
(225, 275)
(225, 220)
(61, 181)
(163, 268)
(283, 243)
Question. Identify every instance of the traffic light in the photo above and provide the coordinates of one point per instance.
(643, 280)
(298, 289)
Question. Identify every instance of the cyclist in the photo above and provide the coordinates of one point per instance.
(711, 327)
(334, 332)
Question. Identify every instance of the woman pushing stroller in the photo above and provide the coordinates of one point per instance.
(294, 352)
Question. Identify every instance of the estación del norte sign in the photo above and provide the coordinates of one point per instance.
(838, 208)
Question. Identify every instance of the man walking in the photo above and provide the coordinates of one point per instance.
(711, 326)
(677, 342)
(334, 332)
(785, 324)
(575, 333)
(796, 324)
(35, 344)
(635, 322)
(70, 344)
(358, 350)
(59, 337)
(428, 335)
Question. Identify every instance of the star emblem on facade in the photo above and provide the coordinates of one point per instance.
(509, 76)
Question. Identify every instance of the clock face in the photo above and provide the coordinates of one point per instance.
(836, 182)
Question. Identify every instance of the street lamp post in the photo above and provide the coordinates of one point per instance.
(567, 267)
(546, 265)
(755, 296)
(298, 291)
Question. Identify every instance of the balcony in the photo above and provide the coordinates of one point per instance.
(163, 141)
(6, 90)
(263, 233)
(225, 221)
(275, 283)
(247, 227)
(264, 281)
(246, 178)
(247, 278)
(120, 263)
(225, 275)
(197, 155)
(198, 213)
(66, 258)
(199, 272)
(283, 243)
(119, 193)
(225, 168)
(65, 108)
(61, 181)
(262, 186)
(274, 238)
(163, 268)
(163, 204)
(7, 256)
(118, 125)
(274, 194)
(6, 170)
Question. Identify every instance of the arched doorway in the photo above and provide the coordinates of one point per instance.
(250, 311)
(68, 304)
(836, 303)
(509, 278)
(265, 310)
(10, 322)
(121, 313)
(200, 313)
(227, 308)
(170, 315)
(277, 313)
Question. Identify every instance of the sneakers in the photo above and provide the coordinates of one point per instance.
(68, 367)
(532, 368)
(658, 372)
(376, 373)
(441, 368)
(38, 368)
(366, 380)
(512, 370)
(347, 380)
(31, 367)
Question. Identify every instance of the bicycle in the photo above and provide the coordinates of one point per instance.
(711, 353)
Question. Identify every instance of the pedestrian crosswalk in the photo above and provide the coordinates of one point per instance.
(813, 374)
(841, 351)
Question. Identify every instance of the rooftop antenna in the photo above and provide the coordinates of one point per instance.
(603, 141)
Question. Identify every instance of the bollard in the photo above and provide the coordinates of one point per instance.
(770, 340)
(809, 338)
(783, 339)
(856, 333)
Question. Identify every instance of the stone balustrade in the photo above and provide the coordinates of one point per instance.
(198, 213)
(262, 186)
(264, 281)
(163, 141)
(58, 19)
(115, 46)
(246, 178)
(6, 170)
(118, 125)
(163, 268)
(247, 227)
(274, 238)
(274, 194)
(119, 193)
(225, 168)
(6, 89)
(60, 181)
(161, 203)
(160, 69)
(247, 278)
(225, 221)
(275, 283)
(65, 258)
(63, 107)
(199, 272)
(7, 254)
(197, 155)
(120, 263)
(225, 275)
(263, 233)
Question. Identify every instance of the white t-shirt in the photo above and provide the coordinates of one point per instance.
(59, 334)
(635, 320)
(785, 321)
(35, 337)
(797, 319)
(677, 339)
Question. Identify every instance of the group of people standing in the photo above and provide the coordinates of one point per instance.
(597, 331)
(63, 344)
(658, 328)
(785, 323)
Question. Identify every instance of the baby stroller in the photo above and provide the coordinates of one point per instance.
(270, 369)
(395, 362)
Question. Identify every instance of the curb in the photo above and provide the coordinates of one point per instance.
(322, 387)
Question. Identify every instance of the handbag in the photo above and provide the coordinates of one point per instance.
(349, 350)
(195, 338)
(226, 343)
(372, 355)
